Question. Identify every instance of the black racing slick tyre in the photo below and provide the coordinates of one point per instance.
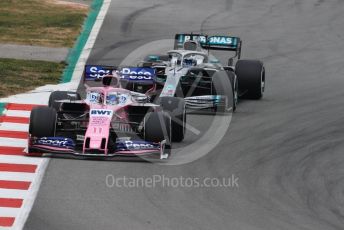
(157, 127)
(177, 110)
(62, 95)
(251, 77)
(42, 122)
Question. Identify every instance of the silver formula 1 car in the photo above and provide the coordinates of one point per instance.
(190, 72)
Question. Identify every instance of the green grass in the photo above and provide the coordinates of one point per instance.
(40, 22)
(19, 76)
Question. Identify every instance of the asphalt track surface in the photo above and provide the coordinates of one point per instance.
(286, 150)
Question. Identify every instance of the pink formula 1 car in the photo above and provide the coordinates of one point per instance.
(111, 121)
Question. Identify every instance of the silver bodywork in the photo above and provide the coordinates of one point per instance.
(176, 69)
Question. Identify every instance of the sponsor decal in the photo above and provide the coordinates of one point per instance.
(122, 127)
(80, 137)
(96, 72)
(100, 117)
(137, 73)
(185, 38)
(93, 97)
(129, 73)
(169, 90)
(212, 40)
(55, 142)
(123, 139)
(153, 58)
(101, 112)
(206, 99)
(123, 99)
(136, 145)
(220, 40)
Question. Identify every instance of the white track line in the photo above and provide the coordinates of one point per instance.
(13, 193)
(18, 113)
(16, 176)
(79, 67)
(13, 142)
(14, 126)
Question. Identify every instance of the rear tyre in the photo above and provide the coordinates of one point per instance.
(176, 108)
(62, 95)
(251, 77)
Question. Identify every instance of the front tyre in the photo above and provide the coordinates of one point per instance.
(177, 110)
(157, 128)
(42, 124)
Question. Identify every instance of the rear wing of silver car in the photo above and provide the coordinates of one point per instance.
(216, 42)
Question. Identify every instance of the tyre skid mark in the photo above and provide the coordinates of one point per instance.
(128, 21)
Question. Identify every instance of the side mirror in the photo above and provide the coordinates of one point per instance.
(230, 62)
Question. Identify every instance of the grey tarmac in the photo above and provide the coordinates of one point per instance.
(286, 150)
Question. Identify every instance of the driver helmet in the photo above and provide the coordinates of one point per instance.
(190, 45)
(189, 62)
(112, 99)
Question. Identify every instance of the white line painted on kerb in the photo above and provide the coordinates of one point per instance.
(16, 176)
(16, 113)
(9, 212)
(14, 127)
(20, 159)
(13, 142)
(13, 193)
